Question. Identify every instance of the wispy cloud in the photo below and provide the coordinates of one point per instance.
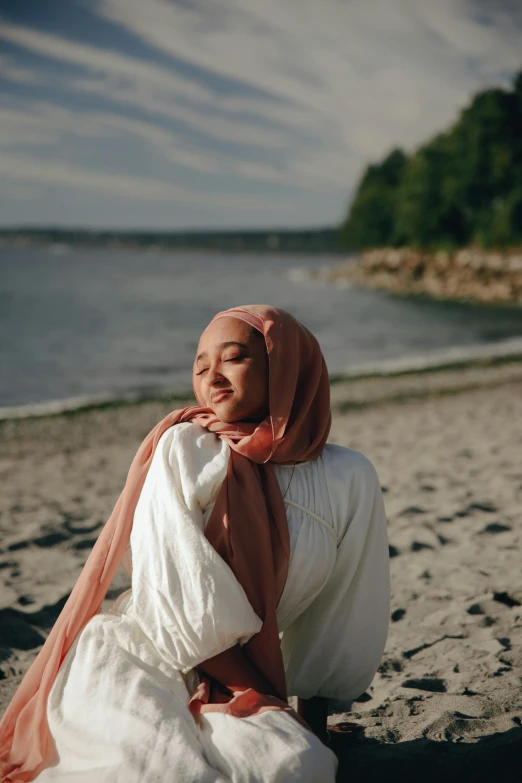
(24, 168)
(47, 124)
(323, 57)
(269, 107)
(122, 78)
(98, 59)
(30, 169)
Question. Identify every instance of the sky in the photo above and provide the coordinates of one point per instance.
(178, 114)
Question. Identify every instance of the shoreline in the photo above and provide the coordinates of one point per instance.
(452, 360)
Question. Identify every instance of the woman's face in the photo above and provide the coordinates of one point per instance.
(231, 371)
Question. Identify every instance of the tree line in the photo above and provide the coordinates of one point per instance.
(463, 187)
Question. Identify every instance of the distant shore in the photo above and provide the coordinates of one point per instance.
(470, 274)
(314, 241)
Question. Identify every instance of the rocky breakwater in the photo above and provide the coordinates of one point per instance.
(471, 273)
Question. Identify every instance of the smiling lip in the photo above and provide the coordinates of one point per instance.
(220, 395)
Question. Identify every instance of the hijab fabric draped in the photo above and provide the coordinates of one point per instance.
(247, 527)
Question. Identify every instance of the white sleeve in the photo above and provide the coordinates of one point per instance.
(334, 647)
(185, 597)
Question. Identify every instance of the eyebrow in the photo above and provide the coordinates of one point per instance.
(221, 347)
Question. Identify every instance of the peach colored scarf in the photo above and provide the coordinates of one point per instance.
(258, 553)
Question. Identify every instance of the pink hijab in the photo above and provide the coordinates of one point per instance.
(258, 553)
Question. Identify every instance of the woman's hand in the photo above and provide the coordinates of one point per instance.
(250, 702)
(241, 689)
(233, 670)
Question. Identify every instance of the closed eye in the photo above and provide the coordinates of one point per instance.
(230, 359)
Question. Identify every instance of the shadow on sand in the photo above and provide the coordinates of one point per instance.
(19, 630)
(493, 759)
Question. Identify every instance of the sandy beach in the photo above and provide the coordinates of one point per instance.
(447, 701)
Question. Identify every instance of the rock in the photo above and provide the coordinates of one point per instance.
(470, 273)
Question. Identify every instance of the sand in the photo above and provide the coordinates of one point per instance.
(446, 703)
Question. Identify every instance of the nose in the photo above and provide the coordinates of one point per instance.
(214, 378)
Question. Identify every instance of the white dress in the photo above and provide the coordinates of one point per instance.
(118, 708)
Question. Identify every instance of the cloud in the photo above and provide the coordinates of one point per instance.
(124, 78)
(348, 64)
(204, 119)
(254, 100)
(366, 76)
(47, 123)
(29, 169)
(98, 60)
(25, 168)
(11, 72)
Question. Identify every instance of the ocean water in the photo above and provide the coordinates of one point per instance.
(89, 322)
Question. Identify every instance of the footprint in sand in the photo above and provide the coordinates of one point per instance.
(16, 631)
(452, 725)
(50, 539)
(506, 599)
(74, 525)
(495, 527)
(18, 545)
(475, 609)
(85, 543)
(412, 511)
(418, 546)
(8, 564)
(431, 684)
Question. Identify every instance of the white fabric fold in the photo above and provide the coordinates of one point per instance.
(185, 597)
(334, 647)
(118, 708)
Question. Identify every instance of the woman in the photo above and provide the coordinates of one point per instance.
(242, 524)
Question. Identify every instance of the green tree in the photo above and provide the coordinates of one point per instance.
(427, 210)
(372, 214)
(463, 186)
